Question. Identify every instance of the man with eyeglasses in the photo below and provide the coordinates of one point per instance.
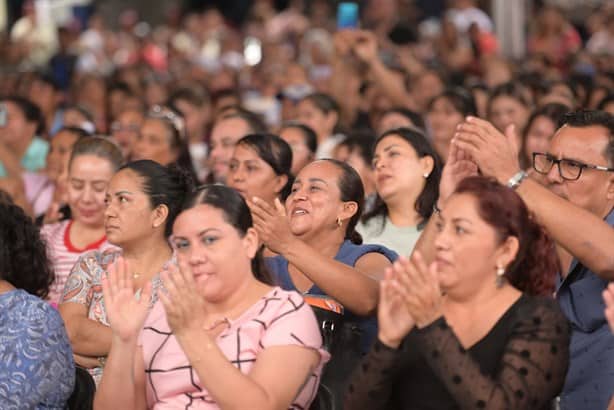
(576, 206)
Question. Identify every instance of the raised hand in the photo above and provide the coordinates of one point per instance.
(458, 167)
(184, 305)
(364, 45)
(394, 319)
(125, 311)
(424, 300)
(496, 154)
(272, 225)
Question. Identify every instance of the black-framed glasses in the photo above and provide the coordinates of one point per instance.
(569, 169)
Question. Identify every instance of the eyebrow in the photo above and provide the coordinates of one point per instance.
(208, 230)
(389, 147)
(462, 220)
(123, 193)
(566, 158)
(98, 181)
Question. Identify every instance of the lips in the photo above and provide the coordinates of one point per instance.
(298, 211)
(88, 213)
(383, 177)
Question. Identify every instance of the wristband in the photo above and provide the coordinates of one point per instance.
(517, 179)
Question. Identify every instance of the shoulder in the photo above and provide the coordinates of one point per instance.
(33, 313)
(542, 312)
(351, 253)
(280, 303)
(94, 262)
(55, 231)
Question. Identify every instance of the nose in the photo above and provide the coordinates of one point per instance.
(196, 255)
(88, 194)
(237, 174)
(554, 176)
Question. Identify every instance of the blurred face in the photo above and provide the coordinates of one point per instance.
(251, 176)
(427, 86)
(195, 119)
(594, 190)
(17, 128)
(43, 95)
(310, 115)
(154, 143)
(224, 137)
(301, 155)
(218, 256)
(365, 170)
(399, 172)
(60, 148)
(443, 119)
(73, 118)
(129, 216)
(88, 179)
(125, 130)
(315, 201)
(506, 110)
(393, 120)
(467, 248)
(538, 136)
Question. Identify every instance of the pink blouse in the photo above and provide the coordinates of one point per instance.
(280, 318)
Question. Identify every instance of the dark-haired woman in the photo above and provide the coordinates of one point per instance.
(510, 104)
(445, 112)
(162, 138)
(399, 118)
(316, 239)
(36, 365)
(303, 141)
(407, 172)
(540, 129)
(142, 201)
(473, 330)
(260, 167)
(92, 164)
(321, 113)
(221, 336)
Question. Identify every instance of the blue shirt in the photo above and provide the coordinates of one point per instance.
(590, 378)
(348, 254)
(37, 370)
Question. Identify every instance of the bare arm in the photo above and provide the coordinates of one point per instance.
(123, 381)
(87, 337)
(269, 385)
(354, 288)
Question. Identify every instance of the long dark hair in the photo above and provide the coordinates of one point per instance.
(352, 190)
(274, 151)
(536, 264)
(429, 195)
(23, 255)
(236, 213)
(167, 186)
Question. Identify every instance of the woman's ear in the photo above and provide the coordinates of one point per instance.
(280, 183)
(507, 251)
(348, 210)
(159, 216)
(428, 164)
(251, 242)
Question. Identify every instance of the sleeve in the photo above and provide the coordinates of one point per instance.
(294, 323)
(371, 385)
(40, 368)
(80, 282)
(531, 371)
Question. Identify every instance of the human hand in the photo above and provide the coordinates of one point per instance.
(126, 313)
(364, 46)
(342, 41)
(393, 317)
(458, 167)
(496, 154)
(608, 298)
(272, 225)
(184, 305)
(424, 300)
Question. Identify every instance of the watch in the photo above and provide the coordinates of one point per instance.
(517, 179)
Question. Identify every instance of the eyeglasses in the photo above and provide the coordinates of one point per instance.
(171, 117)
(569, 169)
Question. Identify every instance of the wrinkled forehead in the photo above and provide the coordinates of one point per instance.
(586, 144)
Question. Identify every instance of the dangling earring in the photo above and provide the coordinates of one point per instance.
(339, 222)
(500, 276)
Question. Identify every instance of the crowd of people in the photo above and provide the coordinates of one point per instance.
(285, 214)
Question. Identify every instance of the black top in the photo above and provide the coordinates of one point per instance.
(520, 364)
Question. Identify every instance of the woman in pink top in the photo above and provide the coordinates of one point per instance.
(92, 163)
(221, 336)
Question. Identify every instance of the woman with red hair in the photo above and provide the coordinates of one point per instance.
(476, 329)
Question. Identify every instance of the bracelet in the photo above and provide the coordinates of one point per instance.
(517, 179)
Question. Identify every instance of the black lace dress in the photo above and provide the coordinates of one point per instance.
(520, 364)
